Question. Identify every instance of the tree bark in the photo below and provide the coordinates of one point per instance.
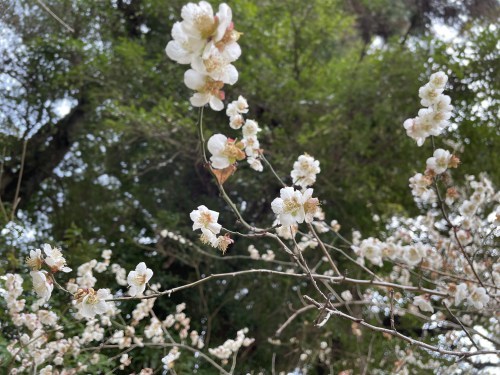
(45, 151)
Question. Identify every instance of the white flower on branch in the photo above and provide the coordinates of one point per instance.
(203, 218)
(138, 279)
(461, 293)
(304, 172)
(440, 161)
(90, 302)
(168, 360)
(225, 151)
(209, 43)
(478, 298)
(35, 260)
(295, 207)
(54, 259)
(433, 119)
(237, 107)
(42, 285)
(209, 90)
(423, 303)
(289, 207)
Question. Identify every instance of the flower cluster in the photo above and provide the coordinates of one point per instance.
(208, 43)
(250, 129)
(168, 360)
(206, 220)
(229, 347)
(42, 281)
(432, 119)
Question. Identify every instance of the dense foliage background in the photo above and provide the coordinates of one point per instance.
(335, 79)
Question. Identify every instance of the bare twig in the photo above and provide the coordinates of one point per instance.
(461, 325)
(49, 11)
(401, 336)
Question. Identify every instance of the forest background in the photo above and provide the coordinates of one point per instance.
(95, 118)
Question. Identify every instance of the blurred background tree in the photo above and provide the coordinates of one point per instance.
(111, 156)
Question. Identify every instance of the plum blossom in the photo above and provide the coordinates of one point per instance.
(42, 285)
(311, 206)
(423, 303)
(433, 119)
(255, 164)
(168, 360)
(225, 151)
(208, 43)
(419, 185)
(371, 249)
(461, 293)
(478, 298)
(440, 161)
(90, 302)
(305, 170)
(203, 218)
(289, 207)
(35, 260)
(250, 129)
(413, 254)
(209, 90)
(54, 259)
(237, 107)
(138, 279)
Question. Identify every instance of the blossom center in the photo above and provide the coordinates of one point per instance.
(213, 87)
(140, 279)
(205, 219)
(206, 25)
(291, 205)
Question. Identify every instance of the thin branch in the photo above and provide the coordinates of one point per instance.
(322, 246)
(461, 325)
(292, 318)
(49, 11)
(401, 336)
(18, 187)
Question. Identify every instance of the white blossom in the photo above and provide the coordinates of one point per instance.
(203, 218)
(289, 207)
(138, 279)
(54, 259)
(478, 298)
(225, 151)
(90, 302)
(440, 161)
(42, 285)
(423, 303)
(461, 293)
(305, 170)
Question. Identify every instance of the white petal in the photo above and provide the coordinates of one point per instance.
(194, 80)
(131, 276)
(277, 206)
(216, 104)
(175, 51)
(141, 268)
(220, 162)
(232, 52)
(199, 100)
(229, 75)
(216, 143)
